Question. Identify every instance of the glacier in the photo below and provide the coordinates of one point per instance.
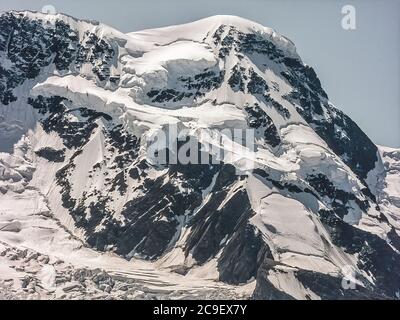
(84, 214)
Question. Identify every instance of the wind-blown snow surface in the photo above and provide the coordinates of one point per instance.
(80, 100)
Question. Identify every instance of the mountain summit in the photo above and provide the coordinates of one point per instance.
(310, 211)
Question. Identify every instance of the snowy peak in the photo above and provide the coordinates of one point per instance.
(308, 199)
(202, 29)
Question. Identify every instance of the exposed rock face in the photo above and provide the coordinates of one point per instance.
(315, 202)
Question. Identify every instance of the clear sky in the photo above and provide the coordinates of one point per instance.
(359, 69)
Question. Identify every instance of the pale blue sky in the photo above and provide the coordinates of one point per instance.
(360, 69)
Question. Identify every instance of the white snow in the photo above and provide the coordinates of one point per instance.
(31, 213)
(198, 30)
(180, 57)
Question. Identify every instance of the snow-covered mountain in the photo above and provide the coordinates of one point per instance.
(85, 213)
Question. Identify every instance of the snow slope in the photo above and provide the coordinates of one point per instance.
(282, 218)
